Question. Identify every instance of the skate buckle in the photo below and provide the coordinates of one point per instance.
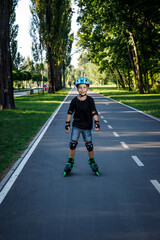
(97, 173)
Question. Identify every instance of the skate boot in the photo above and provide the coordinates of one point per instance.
(69, 166)
(93, 165)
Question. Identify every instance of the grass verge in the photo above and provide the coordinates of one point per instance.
(19, 126)
(148, 103)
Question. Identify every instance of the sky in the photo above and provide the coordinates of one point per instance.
(23, 18)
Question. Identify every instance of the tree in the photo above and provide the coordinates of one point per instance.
(123, 36)
(92, 71)
(13, 28)
(54, 17)
(6, 81)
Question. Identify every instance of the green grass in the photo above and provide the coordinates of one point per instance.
(149, 103)
(18, 127)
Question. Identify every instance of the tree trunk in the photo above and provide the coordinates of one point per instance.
(121, 82)
(129, 81)
(63, 85)
(51, 82)
(56, 76)
(114, 75)
(136, 64)
(60, 80)
(6, 81)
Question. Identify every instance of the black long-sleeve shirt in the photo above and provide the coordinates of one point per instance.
(83, 112)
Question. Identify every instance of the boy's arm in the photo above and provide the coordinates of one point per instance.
(67, 127)
(69, 115)
(97, 126)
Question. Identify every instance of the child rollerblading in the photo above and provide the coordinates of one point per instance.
(84, 110)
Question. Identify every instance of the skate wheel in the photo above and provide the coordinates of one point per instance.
(97, 173)
(64, 174)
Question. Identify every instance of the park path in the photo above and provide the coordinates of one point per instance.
(122, 204)
(23, 93)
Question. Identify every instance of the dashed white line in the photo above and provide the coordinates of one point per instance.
(115, 134)
(105, 121)
(109, 126)
(156, 184)
(136, 159)
(107, 103)
(124, 144)
(102, 117)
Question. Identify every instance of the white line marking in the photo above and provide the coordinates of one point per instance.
(16, 173)
(156, 184)
(146, 114)
(105, 121)
(109, 126)
(102, 117)
(136, 159)
(124, 144)
(115, 134)
(107, 103)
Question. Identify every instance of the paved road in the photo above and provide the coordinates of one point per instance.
(122, 204)
(19, 94)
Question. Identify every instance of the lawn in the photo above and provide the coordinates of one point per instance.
(149, 103)
(19, 126)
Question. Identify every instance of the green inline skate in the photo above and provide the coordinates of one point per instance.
(69, 166)
(94, 166)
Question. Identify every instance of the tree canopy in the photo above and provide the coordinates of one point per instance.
(122, 36)
(54, 25)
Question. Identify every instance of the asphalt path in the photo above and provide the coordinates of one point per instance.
(121, 204)
(20, 94)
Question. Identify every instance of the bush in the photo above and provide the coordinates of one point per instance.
(156, 88)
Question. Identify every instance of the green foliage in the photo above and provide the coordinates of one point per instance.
(92, 71)
(37, 77)
(53, 23)
(72, 74)
(17, 59)
(123, 37)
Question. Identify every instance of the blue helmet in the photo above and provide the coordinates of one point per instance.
(82, 80)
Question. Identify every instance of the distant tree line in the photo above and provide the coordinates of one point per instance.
(123, 37)
(25, 75)
(29, 70)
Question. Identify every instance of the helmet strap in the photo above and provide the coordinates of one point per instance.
(82, 95)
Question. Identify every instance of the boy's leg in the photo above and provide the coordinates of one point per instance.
(90, 151)
(72, 151)
(74, 141)
(70, 161)
(73, 145)
(92, 160)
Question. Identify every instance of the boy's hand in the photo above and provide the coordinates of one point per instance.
(67, 130)
(97, 126)
(67, 127)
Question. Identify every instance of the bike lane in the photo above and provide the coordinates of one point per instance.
(120, 204)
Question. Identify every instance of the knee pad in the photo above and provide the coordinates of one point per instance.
(89, 146)
(73, 144)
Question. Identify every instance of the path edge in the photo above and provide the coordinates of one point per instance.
(38, 137)
(137, 110)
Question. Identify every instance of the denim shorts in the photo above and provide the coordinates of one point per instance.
(75, 134)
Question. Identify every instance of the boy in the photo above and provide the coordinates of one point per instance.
(84, 111)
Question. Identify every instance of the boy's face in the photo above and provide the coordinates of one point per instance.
(82, 89)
